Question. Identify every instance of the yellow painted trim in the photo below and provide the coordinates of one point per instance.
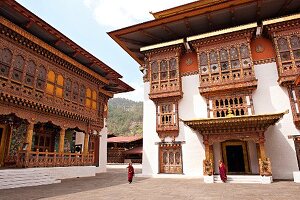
(245, 153)
(221, 32)
(160, 45)
(281, 19)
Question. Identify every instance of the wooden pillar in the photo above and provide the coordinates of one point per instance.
(61, 140)
(29, 135)
(86, 144)
(206, 144)
(262, 147)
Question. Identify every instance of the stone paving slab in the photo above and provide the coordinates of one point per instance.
(113, 186)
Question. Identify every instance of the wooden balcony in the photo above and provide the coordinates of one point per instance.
(29, 159)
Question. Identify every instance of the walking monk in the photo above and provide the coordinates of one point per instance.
(222, 170)
(130, 172)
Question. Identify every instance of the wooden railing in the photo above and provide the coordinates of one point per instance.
(53, 159)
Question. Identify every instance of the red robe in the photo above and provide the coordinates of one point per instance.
(222, 170)
(130, 173)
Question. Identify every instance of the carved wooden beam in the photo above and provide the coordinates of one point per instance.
(170, 31)
(188, 26)
(29, 24)
(210, 23)
(132, 41)
(232, 17)
(284, 7)
(150, 35)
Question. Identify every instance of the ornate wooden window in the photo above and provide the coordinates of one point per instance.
(50, 82)
(167, 117)
(164, 77)
(154, 71)
(82, 94)
(18, 68)
(59, 86)
(225, 65)
(5, 62)
(170, 158)
(30, 73)
(41, 78)
(75, 92)
(163, 70)
(288, 54)
(88, 98)
(173, 68)
(294, 95)
(203, 63)
(94, 100)
(55, 84)
(68, 89)
(239, 105)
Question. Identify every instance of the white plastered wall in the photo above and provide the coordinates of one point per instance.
(269, 97)
(102, 149)
(191, 106)
(150, 137)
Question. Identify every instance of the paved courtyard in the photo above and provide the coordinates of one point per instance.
(113, 185)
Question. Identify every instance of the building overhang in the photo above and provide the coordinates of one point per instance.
(197, 18)
(15, 15)
(234, 124)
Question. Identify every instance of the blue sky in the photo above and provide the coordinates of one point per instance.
(87, 22)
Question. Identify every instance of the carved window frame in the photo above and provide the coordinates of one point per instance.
(41, 78)
(294, 96)
(88, 98)
(240, 105)
(68, 89)
(288, 54)
(167, 114)
(30, 74)
(227, 62)
(55, 84)
(5, 62)
(18, 69)
(164, 74)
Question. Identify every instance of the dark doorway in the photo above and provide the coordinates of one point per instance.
(235, 158)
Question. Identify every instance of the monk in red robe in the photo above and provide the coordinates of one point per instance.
(130, 172)
(222, 170)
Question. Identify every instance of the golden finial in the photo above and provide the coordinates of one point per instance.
(230, 113)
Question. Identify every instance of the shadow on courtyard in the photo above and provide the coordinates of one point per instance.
(113, 177)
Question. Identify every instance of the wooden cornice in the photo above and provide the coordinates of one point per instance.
(40, 107)
(234, 124)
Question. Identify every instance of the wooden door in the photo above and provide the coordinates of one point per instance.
(297, 148)
(170, 158)
(3, 144)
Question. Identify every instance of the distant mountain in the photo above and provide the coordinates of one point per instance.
(125, 117)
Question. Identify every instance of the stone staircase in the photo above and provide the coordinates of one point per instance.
(244, 179)
(13, 178)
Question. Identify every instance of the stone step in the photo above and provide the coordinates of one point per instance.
(11, 178)
(27, 184)
(240, 179)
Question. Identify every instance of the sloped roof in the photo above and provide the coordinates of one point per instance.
(22, 17)
(136, 150)
(123, 139)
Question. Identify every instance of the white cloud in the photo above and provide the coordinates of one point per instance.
(121, 13)
(137, 94)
